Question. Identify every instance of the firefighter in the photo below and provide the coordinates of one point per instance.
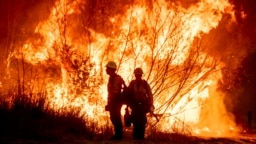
(141, 103)
(114, 103)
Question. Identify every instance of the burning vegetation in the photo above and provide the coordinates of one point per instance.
(56, 51)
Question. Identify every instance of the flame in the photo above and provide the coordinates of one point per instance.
(160, 38)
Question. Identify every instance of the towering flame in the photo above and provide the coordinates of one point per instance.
(161, 37)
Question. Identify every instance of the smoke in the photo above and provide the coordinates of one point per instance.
(236, 44)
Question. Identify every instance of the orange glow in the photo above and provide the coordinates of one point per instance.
(159, 39)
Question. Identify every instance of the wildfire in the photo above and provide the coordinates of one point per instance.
(160, 38)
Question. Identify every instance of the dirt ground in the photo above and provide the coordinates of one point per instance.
(243, 139)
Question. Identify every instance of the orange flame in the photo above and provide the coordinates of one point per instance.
(159, 39)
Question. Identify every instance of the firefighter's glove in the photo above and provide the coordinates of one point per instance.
(151, 109)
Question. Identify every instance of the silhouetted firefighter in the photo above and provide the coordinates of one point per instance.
(141, 102)
(114, 104)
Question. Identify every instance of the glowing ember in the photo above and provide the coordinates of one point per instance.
(160, 38)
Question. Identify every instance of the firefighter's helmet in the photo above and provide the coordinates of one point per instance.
(111, 64)
(138, 71)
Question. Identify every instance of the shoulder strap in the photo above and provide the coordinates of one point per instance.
(145, 83)
(132, 83)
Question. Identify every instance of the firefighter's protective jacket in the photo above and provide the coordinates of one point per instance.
(115, 83)
(141, 91)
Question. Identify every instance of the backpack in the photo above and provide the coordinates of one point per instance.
(125, 95)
